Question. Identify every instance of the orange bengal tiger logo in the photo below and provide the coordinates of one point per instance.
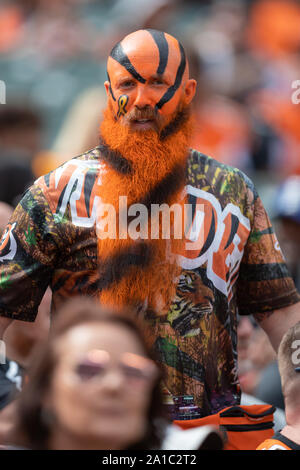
(216, 237)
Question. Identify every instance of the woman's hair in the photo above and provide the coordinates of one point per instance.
(32, 428)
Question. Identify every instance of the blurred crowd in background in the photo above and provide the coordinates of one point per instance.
(245, 56)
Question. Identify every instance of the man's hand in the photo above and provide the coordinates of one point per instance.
(277, 322)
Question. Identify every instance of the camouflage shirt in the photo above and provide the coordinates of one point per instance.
(238, 267)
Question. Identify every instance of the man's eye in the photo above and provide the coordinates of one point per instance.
(157, 82)
(126, 84)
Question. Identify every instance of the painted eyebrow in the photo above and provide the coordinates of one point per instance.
(123, 80)
(165, 78)
(157, 76)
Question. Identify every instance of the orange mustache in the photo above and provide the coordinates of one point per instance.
(146, 113)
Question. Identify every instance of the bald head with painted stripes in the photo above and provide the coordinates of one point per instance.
(149, 68)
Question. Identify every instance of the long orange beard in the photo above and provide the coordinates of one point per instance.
(141, 273)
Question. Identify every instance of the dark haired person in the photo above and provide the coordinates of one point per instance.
(288, 438)
(97, 363)
(21, 129)
(16, 177)
(229, 262)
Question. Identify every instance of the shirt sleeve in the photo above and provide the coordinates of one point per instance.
(28, 253)
(264, 282)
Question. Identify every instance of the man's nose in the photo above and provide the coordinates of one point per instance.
(143, 98)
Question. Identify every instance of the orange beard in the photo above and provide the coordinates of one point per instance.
(141, 272)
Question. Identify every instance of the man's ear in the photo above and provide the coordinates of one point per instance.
(107, 87)
(189, 90)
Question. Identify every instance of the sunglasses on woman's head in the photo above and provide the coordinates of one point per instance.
(134, 368)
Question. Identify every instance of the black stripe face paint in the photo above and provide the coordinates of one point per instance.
(163, 47)
(119, 55)
(172, 90)
(110, 88)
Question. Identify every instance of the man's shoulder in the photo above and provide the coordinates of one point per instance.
(66, 173)
(88, 160)
(206, 171)
(71, 185)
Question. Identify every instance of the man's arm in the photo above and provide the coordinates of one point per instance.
(275, 323)
(28, 254)
(265, 287)
(4, 323)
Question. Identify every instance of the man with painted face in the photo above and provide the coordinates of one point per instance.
(187, 290)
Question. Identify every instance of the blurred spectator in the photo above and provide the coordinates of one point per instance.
(246, 371)
(223, 123)
(106, 408)
(61, 31)
(96, 362)
(80, 130)
(268, 388)
(218, 39)
(286, 212)
(273, 28)
(257, 365)
(125, 16)
(273, 39)
(21, 130)
(248, 54)
(10, 25)
(289, 366)
(250, 370)
(262, 355)
(223, 131)
(15, 177)
(21, 338)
